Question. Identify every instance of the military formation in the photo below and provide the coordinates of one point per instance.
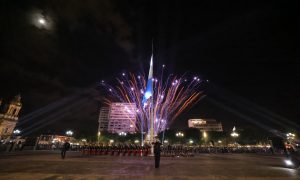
(116, 150)
(166, 150)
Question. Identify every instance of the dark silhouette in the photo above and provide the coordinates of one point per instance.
(64, 148)
(157, 153)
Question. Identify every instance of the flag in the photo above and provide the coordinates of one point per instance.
(149, 89)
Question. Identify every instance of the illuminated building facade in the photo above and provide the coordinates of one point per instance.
(122, 118)
(103, 119)
(9, 117)
(205, 124)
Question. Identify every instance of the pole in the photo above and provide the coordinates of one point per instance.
(152, 126)
(163, 137)
(142, 131)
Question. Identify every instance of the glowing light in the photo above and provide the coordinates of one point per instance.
(288, 162)
(179, 134)
(122, 134)
(234, 134)
(290, 136)
(69, 133)
(204, 134)
(42, 21)
(17, 131)
(136, 141)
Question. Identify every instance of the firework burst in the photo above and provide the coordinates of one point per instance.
(171, 96)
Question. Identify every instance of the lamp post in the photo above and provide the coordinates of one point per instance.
(122, 134)
(179, 135)
(234, 134)
(69, 133)
(204, 135)
(16, 132)
(111, 141)
(290, 137)
(98, 137)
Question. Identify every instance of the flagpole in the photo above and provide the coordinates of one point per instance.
(151, 111)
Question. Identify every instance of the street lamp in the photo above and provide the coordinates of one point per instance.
(111, 141)
(290, 136)
(122, 134)
(179, 135)
(98, 136)
(16, 132)
(234, 134)
(205, 137)
(69, 133)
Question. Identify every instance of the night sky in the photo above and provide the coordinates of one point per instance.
(247, 50)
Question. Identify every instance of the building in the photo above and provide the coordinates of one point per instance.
(9, 116)
(205, 124)
(122, 118)
(103, 119)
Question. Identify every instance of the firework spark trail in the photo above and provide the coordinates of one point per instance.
(170, 97)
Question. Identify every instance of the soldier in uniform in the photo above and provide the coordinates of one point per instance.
(157, 150)
(65, 148)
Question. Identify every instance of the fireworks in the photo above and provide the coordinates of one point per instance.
(171, 96)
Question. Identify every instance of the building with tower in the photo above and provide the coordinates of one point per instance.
(9, 116)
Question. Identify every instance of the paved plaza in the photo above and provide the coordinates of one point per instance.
(48, 165)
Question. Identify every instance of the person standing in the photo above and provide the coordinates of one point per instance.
(157, 150)
(64, 149)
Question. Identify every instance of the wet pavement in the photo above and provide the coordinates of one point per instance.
(48, 165)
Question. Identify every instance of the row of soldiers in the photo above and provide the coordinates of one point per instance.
(191, 150)
(166, 150)
(117, 150)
